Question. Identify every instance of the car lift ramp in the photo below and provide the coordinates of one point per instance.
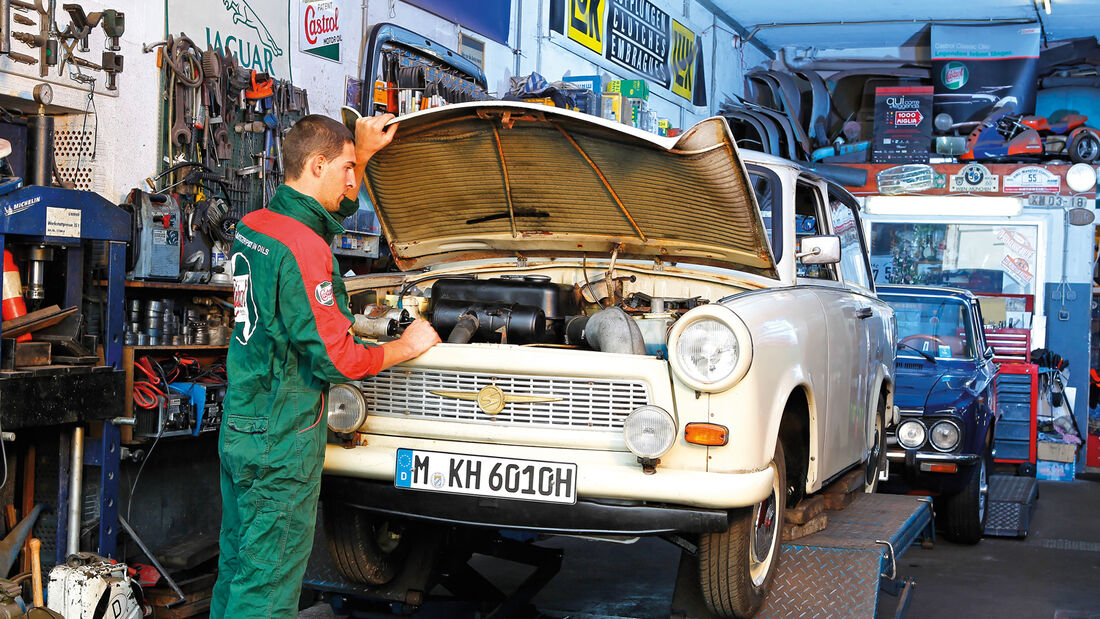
(837, 572)
(1012, 500)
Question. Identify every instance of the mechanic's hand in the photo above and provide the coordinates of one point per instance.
(370, 136)
(420, 336)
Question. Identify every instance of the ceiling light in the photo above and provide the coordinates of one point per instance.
(964, 206)
(1081, 177)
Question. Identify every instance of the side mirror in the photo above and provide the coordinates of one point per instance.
(988, 352)
(824, 249)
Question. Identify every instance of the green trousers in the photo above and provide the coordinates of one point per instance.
(270, 480)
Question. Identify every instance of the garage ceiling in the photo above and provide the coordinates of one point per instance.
(1068, 19)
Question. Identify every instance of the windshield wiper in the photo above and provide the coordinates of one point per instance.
(918, 351)
(506, 215)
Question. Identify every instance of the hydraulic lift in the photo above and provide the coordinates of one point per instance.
(839, 571)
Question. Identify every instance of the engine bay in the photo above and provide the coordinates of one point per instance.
(622, 313)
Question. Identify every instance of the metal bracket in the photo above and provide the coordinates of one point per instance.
(893, 559)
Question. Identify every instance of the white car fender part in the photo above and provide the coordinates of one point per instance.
(76, 587)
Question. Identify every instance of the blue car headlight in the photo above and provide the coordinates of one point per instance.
(945, 435)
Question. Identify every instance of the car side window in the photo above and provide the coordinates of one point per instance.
(853, 260)
(809, 220)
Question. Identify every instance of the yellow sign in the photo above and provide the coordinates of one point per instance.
(682, 60)
(586, 21)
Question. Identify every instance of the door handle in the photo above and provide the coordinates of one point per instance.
(864, 312)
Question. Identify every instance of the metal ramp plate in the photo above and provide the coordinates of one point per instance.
(836, 572)
(1011, 500)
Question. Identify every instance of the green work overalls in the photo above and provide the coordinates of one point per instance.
(291, 339)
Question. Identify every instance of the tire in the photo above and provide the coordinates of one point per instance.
(733, 575)
(365, 549)
(876, 460)
(966, 511)
(1085, 149)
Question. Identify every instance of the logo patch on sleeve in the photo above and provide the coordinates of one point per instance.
(323, 293)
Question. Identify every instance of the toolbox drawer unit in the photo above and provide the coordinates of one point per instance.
(1017, 387)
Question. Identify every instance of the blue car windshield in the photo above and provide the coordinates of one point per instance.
(940, 327)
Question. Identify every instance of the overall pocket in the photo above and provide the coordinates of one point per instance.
(245, 446)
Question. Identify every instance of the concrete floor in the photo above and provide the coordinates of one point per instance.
(1054, 572)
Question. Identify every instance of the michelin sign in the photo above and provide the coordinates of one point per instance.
(256, 32)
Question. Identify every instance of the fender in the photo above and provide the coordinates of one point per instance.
(884, 379)
(1073, 135)
(789, 383)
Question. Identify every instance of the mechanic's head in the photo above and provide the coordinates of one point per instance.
(319, 156)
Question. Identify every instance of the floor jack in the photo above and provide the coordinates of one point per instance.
(414, 590)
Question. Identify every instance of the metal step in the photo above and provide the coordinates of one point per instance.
(837, 572)
(1011, 501)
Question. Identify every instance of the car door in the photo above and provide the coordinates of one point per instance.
(874, 315)
(843, 418)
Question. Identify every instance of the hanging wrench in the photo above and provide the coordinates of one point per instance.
(181, 130)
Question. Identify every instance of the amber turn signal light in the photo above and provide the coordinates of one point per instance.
(710, 434)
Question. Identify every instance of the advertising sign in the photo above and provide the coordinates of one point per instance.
(256, 32)
(903, 124)
(319, 33)
(975, 67)
(638, 36)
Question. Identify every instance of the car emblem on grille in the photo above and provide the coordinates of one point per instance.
(492, 399)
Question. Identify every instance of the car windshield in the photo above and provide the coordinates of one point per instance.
(940, 327)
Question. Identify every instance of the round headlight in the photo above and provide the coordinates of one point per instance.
(944, 435)
(707, 351)
(649, 431)
(911, 434)
(346, 408)
(710, 348)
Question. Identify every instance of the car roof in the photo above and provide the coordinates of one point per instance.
(926, 291)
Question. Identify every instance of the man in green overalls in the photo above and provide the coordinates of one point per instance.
(291, 340)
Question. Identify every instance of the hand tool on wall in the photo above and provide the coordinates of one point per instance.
(36, 570)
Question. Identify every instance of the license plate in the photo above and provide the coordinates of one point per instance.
(1056, 201)
(530, 480)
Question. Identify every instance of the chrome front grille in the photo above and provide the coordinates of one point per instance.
(579, 403)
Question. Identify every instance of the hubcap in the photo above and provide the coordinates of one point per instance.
(1086, 149)
(765, 528)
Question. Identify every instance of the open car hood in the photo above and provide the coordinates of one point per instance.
(482, 180)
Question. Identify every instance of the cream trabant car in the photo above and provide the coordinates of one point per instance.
(642, 335)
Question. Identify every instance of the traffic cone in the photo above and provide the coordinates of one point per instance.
(13, 306)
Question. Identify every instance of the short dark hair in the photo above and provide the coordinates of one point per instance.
(313, 135)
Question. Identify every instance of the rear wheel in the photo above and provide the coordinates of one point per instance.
(876, 459)
(966, 511)
(366, 549)
(736, 566)
(1086, 148)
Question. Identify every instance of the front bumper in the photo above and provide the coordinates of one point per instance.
(586, 517)
(915, 459)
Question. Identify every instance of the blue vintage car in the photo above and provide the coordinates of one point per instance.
(942, 444)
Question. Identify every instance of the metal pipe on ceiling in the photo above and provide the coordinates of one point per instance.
(876, 22)
(737, 27)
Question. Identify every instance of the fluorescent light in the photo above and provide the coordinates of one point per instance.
(961, 206)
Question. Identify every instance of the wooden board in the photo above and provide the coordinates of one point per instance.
(837, 502)
(851, 482)
(806, 510)
(792, 532)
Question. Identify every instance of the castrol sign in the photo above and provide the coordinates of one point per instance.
(319, 28)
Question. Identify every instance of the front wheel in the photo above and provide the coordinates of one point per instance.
(1085, 149)
(965, 512)
(366, 549)
(736, 566)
